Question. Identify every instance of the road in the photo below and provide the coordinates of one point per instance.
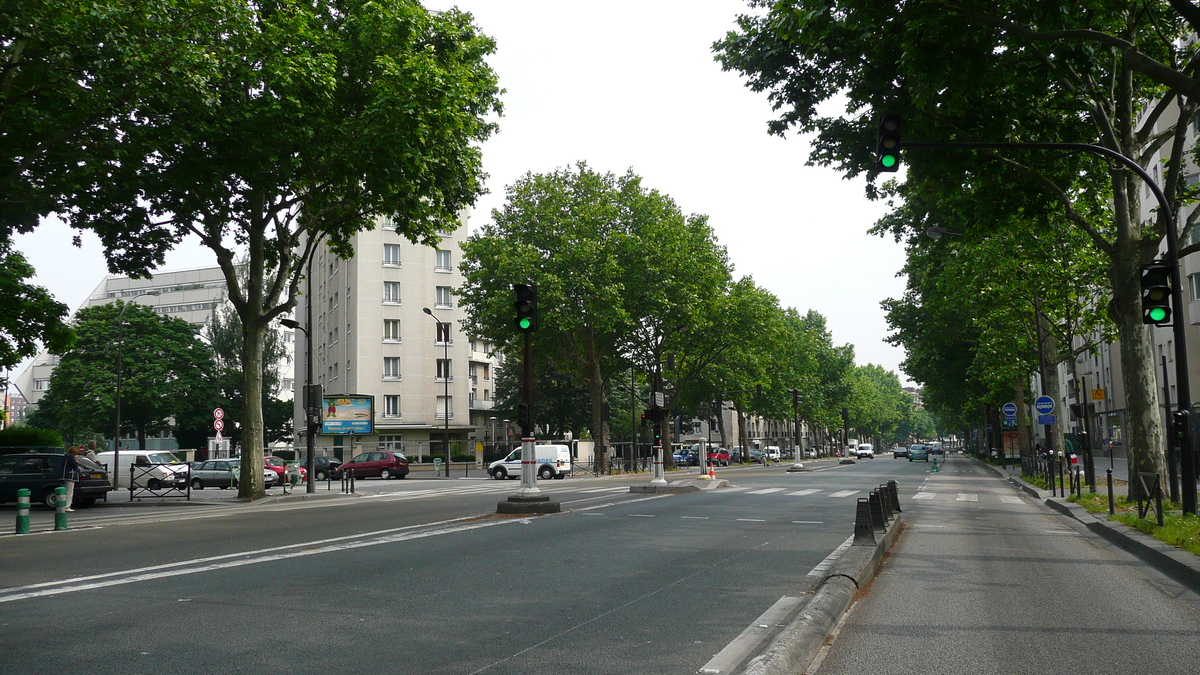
(420, 576)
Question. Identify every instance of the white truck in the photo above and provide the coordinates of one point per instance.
(553, 461)
(153, 469)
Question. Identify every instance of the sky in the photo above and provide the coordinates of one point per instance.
(633, 85)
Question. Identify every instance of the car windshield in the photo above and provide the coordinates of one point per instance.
(163, 458)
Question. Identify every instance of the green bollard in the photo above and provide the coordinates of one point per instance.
(60, 508)
(23, 511)
(935, 469)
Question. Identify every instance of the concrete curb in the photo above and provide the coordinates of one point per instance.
(795, 647)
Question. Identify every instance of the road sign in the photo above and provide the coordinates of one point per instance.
(219, 424)
(1011, 435)
(1044, 405)
(658, 400)
(1008, 422)
(1046, 419)
(1010, 409)
(218, 414)
(1099, 394)
(987, 427)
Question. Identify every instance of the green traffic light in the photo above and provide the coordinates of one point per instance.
(1158, 314)
(888, 161)
(524, 322)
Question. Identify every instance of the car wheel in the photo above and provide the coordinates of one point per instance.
(48, 499)
(321, 474)
(197, 484)
(500, 473)
(154, 484)
(546, 473)
(384, 474)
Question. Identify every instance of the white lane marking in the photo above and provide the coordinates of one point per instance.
(809, 522)
(765, 491)
(734, 488)
(221, 562)
(825, 564)
(919, 525)
(1057, 531)
(751, 520)
(693, 517)
(845, 493)
(967, 498)
(924, 495)
(801, 493)
(641, 515)
(606, 489)
(748, 640)
(1011, 500)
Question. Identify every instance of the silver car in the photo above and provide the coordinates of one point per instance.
(224, 473)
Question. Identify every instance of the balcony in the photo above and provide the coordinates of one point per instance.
(480, 404)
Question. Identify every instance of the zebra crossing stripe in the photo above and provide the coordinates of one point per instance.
(801, 493)
(1011, 500)
(765, 491)
(845, 493)
(967, 498)
(925, 495)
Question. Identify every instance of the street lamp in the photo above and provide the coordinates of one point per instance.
(307, 402)
(505, 437)
(446, 381)
(493, 421)
(935, 233)
(116, 474)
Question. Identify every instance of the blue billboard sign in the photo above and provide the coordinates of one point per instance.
(348, 414)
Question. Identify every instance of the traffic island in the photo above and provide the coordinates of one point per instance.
(522, 505)
(798, 466)
(680, 486)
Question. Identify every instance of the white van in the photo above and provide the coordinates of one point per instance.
(865, 451)
(156, 469)
(772, 452)
(554, 461)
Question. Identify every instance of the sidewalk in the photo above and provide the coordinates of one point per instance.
(987, 579)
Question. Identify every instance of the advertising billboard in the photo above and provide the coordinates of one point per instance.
(348, 414)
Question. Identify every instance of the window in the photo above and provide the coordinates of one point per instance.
(41, 385)
(391, 329)
(442, 263)
(444, 370)
(391, 405)
(1193, 282)
(391, 292)
(392, 443)
(391, 367)
(391, 254)
(484, 369)
(443, 333)
(443, 296)
(445, 407)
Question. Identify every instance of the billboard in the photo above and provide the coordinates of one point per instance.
(348, 414)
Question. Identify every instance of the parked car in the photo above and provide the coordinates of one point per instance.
(773, 453)
(553, 461)
(686, 458)
(899, 451)
(385, 465)
(279, 465)
(224, 474)
(811, 453)
(41, 472)
(718, 457)
(918, 451)
(326, 467)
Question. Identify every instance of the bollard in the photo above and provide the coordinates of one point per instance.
(876, 507)
(23, 511)
(885, 498)
(1112, 507)
(935, 469)
(60, 508)
(864, 531)
(894, 488)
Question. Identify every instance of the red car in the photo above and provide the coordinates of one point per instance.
(383, 464)
(718, 457)
(279, 466)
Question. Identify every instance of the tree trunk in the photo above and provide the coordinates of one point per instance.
(721, 424)
(250, 485)
(1050, 386)
(596, 395)
(1022, 432)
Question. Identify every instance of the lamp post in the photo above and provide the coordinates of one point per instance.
(116, 474)
(446, 381)
(307, 402)
(505, 437)
(492, 419)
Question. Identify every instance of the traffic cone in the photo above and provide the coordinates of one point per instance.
(711, 472)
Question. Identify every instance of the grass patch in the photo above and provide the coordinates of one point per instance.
(1177, 530)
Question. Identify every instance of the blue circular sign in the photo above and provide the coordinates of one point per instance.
(1044, 405)
(1010, 409)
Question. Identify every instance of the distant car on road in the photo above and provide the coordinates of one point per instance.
(385, 465)
(718, 457)
(918, 451)
(865, 451)
(224, 474)
(772, 452)
(899, 451)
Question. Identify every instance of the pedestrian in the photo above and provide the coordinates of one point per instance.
(90, 451)
(70, 475)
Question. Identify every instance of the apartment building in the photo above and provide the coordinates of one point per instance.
(372, 335)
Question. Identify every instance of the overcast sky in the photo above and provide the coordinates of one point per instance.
(630, 84)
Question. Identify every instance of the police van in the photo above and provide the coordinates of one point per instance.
(553, 461)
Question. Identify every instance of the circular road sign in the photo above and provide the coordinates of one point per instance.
(1044, 405)
(218, 414)
(1010, 409)
(218, 424)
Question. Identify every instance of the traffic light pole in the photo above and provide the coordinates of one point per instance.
(1184, 392)
(529, 486)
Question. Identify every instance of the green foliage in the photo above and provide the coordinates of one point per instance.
(28, 314)
(24, 437)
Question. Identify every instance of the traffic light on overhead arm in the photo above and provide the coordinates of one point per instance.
(887, 148)
(1156, 294)
(526, 306)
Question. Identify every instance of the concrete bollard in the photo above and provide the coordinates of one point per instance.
(876, 506)
(894, 488)
(60, 508)
(23, 511)
(864, 530)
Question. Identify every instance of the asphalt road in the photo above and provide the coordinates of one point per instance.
(421, 576)
(985, 580)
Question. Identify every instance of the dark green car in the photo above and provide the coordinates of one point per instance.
(40, 473)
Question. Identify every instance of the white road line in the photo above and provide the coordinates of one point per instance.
(809, 522)
(751, 520)
(693, 517)
(801, 493)
(825, 564)
(607, 489)
(845, 493)
(967, 498)
(925, 495)
(765, 491)
(641, 515)
(1011, 500)
(734, 489)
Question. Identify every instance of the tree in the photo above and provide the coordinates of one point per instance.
(301, 123)
(30, 313)
(594, 244)
(164, 370)
(1112, 75)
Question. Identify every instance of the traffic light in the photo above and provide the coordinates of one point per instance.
(526, 306)
(887, 149)
(523, 421)
(1156, 294)
(1180, 425)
